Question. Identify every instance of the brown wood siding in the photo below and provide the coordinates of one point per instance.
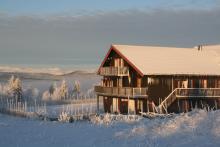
(126, 82)
(159, 89)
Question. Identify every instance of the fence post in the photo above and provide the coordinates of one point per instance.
(216, 106)
(178, 103)
(82, 108)
(25, 107)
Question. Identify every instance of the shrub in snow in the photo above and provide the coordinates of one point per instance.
(108, 119)
(64, 117)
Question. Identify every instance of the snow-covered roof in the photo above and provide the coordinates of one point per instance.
(151, 60)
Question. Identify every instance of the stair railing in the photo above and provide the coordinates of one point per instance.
(167, 102)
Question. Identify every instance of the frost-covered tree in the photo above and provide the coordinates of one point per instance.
(55, 93)
(35, 93)
(76, 89)
(52, 88)
(11, 80)
(17, 89)
(52, 93)
(10, 86)
(31, 93)
(46, 96)
(4, 89)
(7, 89)
(64, 90)
(14, 88)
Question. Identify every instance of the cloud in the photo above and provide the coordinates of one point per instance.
(89, 36)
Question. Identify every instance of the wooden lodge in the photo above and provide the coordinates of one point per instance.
(159, 79)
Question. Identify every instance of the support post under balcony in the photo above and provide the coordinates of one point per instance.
(98, 104)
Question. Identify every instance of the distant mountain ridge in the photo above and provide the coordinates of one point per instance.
(46, 71)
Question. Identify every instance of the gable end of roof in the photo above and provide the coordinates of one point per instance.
(123, 57)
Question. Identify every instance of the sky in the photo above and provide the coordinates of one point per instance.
(69, 32)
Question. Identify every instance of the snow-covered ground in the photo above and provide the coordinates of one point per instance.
(197, 128)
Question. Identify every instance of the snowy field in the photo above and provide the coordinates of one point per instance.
(197, 128)
(42, 80)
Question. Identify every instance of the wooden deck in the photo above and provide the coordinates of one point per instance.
(131, 92)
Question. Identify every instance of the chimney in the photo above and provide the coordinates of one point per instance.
(199, 47)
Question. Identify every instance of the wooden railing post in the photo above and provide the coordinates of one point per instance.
(98, 104)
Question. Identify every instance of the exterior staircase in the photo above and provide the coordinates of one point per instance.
(167, 102)
(189, 93)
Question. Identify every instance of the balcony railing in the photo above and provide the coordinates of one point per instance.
(122, 91)
(114, 71)
(198, 92)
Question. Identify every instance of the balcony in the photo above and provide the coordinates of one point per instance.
(121, 91)
(114, 71)
(198, 93)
